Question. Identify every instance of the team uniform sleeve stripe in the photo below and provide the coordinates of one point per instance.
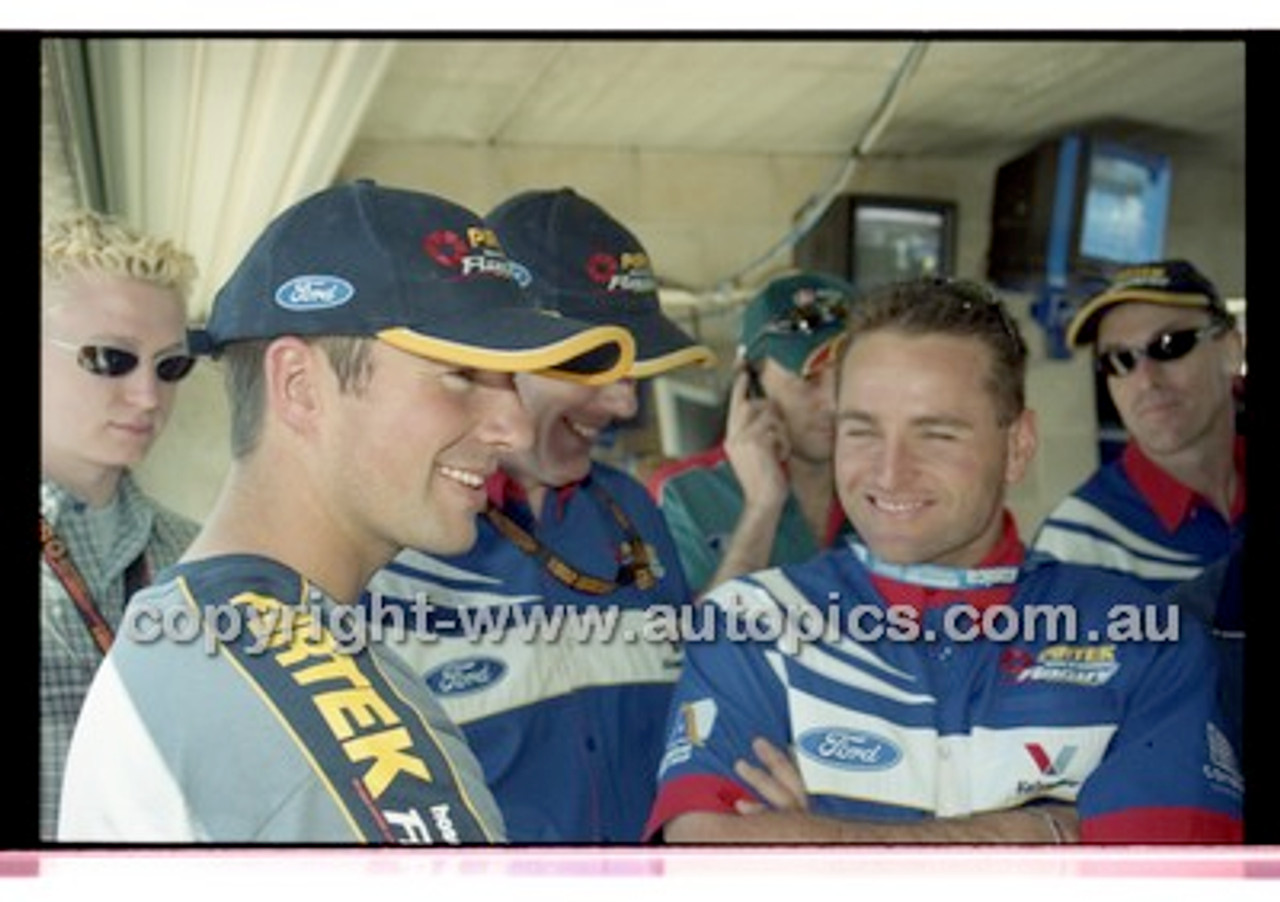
(1162, 825)
(1080, 515)
(1081, 547)
(701, 792)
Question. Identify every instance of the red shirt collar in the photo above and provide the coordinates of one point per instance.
(1170, 499)
(504, 489)
(1008, 552)
(835, 522)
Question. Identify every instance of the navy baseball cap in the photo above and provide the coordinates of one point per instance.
(797, 319)
(412, 269)
(572, 257)
(1173, 282)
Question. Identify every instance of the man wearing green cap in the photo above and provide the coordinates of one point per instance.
(765, 496)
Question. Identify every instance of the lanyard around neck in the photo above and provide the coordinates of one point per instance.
(935, 576)
(59, 560)
(633, 569)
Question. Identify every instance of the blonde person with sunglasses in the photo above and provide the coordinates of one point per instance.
(113, 350)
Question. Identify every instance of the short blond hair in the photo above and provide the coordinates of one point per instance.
(87, 242)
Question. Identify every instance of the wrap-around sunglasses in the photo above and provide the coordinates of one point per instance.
(104, 360)
(1166, 346)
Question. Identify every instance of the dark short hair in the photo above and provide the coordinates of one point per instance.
(951, 307)
(242, 362)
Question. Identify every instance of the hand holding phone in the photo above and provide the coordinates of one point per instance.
(754, 388)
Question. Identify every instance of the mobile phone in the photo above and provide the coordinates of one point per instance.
(754, 388)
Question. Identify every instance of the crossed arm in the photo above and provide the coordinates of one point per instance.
(783, 816)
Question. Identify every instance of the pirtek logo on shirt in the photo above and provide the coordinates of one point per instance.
(366, 727)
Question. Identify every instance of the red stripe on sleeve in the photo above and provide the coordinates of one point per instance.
(1162, 825)
(702, 792)
(665, 471)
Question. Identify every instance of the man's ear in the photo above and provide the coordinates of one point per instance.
(1233, 355)
(1023, 441)
(292, 370)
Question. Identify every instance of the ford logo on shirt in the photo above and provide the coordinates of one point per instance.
(849, 749)
(467, 675)
(304, 293)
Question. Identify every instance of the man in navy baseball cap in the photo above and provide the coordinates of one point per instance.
(414, 270)
(572, 256)
(368, 340)
(569, 732)
(1170, 509)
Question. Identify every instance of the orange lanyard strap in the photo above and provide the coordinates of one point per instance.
(633, 565)
(59, 561)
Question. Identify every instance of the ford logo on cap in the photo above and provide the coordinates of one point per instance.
(520, 273)
(304, 293)
(849, 749)
(466, 675)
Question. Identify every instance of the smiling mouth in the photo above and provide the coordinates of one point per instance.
(896, 508)
(468, 478)
(583, 431)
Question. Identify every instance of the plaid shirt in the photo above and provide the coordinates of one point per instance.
(102, 544)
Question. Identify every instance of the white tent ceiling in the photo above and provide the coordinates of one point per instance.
(206, 138)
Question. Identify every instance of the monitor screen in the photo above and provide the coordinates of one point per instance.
(690, 415)
(894, 242)
(1125, 204)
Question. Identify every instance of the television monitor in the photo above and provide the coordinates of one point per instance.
(690, 415)
(1070, 211)
(873, 239)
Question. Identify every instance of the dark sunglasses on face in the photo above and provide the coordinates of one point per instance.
(1164, 347)
(103, 360)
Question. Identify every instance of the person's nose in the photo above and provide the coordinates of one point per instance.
(507, 423)
(895, 463)
(620, 399)
(143, 387)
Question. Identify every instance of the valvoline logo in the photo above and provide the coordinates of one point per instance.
(304, 293)
(849, 749)
(466, 675)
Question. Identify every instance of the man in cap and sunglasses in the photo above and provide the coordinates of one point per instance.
(1173, 503)
(567, 721)
(766, 495)
(113, 349)
(368, 341)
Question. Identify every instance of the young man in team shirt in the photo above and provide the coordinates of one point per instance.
(942, 725)
(368, 340)
(567, 725)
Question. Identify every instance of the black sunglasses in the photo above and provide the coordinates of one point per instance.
(1164, 347)
(977, 299)
(103, 360)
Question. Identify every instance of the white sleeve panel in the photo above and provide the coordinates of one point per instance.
(117, 787)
